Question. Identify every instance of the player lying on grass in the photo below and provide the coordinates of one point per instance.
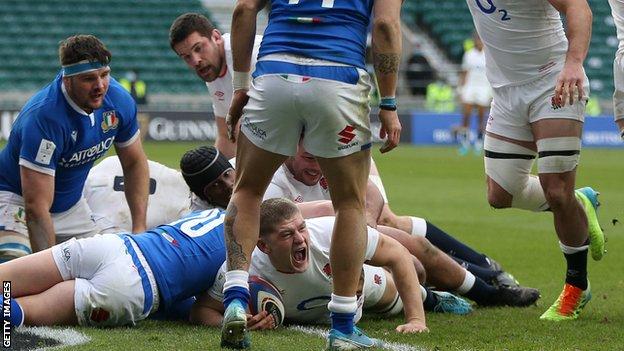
(300, 179)
(210, 176)
(114, 280)
(105, 196)
(293, 254)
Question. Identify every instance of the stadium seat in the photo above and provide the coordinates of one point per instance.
(136, 32)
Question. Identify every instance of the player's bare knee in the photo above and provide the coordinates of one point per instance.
(557, 196)
(498, 199)
(388, 221)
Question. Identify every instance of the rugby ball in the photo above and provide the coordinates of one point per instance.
(265, 297)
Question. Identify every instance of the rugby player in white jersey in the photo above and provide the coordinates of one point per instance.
(300, 180)
(617, 11)
(293, 254)
(204, 49)
(540, 90)
(475, 93)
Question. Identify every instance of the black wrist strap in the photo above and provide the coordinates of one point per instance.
(388, 107)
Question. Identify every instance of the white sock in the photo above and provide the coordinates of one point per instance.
(342, 304)
(467, 284)
(419, 226)
(423, 292)
(568, 250)
(238, 278)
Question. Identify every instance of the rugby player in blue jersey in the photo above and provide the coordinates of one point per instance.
(310, 78)
(60, 132)
(114, 280)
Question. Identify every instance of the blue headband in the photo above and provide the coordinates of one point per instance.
(82, 67)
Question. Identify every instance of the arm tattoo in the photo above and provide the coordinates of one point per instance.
(235, 256)
(387, 63)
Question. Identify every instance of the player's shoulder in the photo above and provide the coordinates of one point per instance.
(118, 95)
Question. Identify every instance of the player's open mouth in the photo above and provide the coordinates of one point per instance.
(300, 255)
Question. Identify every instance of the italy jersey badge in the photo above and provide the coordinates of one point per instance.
(109, 121)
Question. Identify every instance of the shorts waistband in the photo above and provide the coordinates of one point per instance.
(150, 305)
(345, 74)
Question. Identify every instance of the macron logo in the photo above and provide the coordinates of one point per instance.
(346, 134)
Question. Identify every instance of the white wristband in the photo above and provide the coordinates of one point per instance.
(241, 80)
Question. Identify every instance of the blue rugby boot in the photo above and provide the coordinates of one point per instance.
(338, 341)
(234, 334)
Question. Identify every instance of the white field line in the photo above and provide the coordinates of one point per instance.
(66, 336)
(393, 346)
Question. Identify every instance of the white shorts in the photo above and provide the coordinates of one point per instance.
(514, 108)
(618, 83)
(76, 222)
(333, 115)
(375, 282)
(109, 290)
(477, 95)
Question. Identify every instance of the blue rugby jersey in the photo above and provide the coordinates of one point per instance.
(185, 255)
(332, 30)
(54, 136)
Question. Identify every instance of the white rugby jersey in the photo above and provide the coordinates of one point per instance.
(473, 63)
(170, 197)
(305, 295)
(524, 40)
(221, 88)
(283, 184)
(617, 11)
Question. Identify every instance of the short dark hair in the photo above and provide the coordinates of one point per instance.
(83, 47)
(273, 212)
(186, 24)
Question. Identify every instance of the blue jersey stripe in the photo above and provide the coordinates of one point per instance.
(147, 288)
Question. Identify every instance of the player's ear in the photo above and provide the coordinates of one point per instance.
(263, 246)
(216, 36)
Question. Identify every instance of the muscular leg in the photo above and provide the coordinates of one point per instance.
(54, 306)
(32, 274)
(569, 216)
(255, 168)
(347, 178)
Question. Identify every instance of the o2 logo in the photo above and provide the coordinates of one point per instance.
(490, 8)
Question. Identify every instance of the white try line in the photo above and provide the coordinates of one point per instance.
(393, 346)
(65, 336)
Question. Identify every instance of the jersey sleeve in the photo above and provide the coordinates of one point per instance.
(372, 242)
(42, 144)
(129, 124)
(216, 290)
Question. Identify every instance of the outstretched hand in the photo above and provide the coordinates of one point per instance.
(412, 327)
(261, 321)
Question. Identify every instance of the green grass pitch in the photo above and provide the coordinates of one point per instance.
(449, 191)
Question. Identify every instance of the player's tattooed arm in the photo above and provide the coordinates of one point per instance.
(235, 256)
(387, 63)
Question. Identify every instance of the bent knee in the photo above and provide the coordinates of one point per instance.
(499, 199)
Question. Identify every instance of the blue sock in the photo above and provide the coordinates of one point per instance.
(430, 301)
(236, 293)
(17, 315)
(343, 322)
(481, 292)
(454, 247)
(484, 273)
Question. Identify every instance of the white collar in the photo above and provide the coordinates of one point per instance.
(76, 107)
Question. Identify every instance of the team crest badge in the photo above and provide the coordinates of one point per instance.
(109, 121)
